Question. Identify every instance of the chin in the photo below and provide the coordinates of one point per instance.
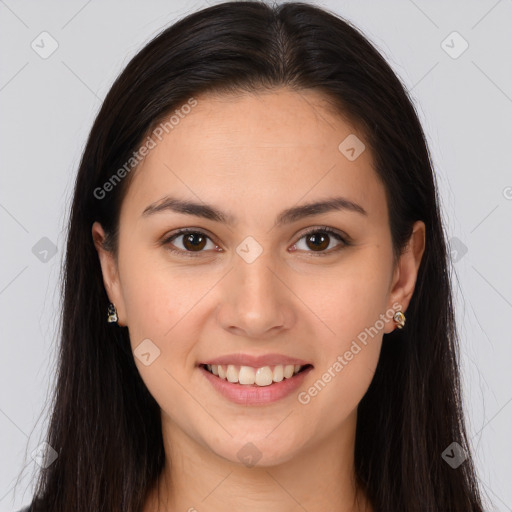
(259, 450)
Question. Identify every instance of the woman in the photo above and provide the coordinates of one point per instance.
(257, 308)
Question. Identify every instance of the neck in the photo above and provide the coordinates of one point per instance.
(317, 479)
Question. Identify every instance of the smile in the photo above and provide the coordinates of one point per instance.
(248, 375)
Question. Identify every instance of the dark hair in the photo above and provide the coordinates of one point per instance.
(105, 425)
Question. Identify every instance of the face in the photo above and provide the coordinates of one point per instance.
(255, 289)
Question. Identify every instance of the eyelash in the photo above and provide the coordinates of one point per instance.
(324, 229)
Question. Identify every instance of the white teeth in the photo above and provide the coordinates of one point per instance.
(278, 373)
(264, 376)
(232, 374)
(248, 375)
(288, 371)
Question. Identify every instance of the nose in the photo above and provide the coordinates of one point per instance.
(256, 302)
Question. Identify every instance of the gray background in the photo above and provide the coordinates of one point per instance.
(47, 108)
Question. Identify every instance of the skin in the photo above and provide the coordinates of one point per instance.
(253, 155)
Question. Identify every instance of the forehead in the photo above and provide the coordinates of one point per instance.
(254, 151)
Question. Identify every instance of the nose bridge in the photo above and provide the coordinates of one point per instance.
(256, 282)
(253, 260)
(256, 279)
(255, 301)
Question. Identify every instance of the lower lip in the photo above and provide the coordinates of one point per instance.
(255, 395)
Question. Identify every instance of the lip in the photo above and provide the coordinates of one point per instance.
(255, 361)
(243, 394)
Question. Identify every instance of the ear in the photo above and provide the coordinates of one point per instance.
(110, 273)
(406, 272)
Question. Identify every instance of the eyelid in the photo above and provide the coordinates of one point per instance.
(340, 235)
(326, 229)
(166, 241)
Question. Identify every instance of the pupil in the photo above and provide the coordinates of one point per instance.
(322, 244)
(190, 237)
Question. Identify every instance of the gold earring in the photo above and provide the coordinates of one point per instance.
(112, 313)
(399, 318)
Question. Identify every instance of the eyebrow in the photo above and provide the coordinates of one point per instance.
(287, 216)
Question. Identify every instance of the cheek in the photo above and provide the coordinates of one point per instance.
(151, 296)
(351, 297)
(354, 310)
(347, 363)
(161, 301)
(156, 303)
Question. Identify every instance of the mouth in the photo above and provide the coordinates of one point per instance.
(255, 377)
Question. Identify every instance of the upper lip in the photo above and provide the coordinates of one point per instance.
(255, 361)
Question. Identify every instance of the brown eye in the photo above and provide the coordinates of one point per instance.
(194, 241)
(188, 242)
(318, 241)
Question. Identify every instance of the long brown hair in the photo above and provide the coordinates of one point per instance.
(105, 425)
